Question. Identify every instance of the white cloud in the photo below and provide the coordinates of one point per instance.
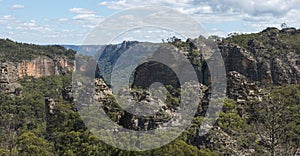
(17, 6)
(85, 18)
(46, 32)
(7, 17)
(31, 23)
(81, 11)
(63, 19)
(123, 4)
(7, 20)
(277, 8)
(254, 14)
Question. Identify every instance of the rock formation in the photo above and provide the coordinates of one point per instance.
(44, 66)
(11, 72)
(260, 61)
(8, 78)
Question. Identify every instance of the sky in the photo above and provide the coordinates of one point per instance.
(70, 22)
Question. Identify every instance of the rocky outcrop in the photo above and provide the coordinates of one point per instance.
(240, 60)
(159, 111)
(8, 78)
(272, 57)
(241, 89)
(280, 69)
(102, 90)
(9, 72)
(50, 107)
(244, 92)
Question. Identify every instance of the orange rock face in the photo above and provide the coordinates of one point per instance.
(66, 64)
(43, 66)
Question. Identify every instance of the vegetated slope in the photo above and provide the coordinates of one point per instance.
(15, 52)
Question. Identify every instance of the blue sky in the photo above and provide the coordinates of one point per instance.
(69, 22)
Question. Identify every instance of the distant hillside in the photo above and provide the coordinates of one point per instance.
(15, 52)
(84, 49)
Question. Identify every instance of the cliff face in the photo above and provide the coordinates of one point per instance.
(280, 69)
(38, 67)
(44, 66)
(271, 56)
(19, 60)
(11, 72)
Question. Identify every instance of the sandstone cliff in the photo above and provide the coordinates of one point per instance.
(38, 67)
(19, 60)
(11, 72)
(44, 66)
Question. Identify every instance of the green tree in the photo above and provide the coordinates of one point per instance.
(30, 144)
(277, 120)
